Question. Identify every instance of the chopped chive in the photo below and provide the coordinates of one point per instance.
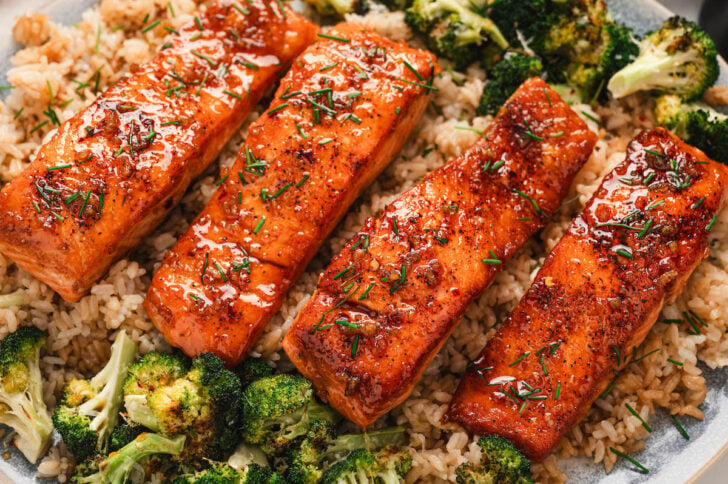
(647, 354)
(325, 141)
(624, 253)
(543, 366)
(395, 229)
(328, 67)
(655, 204)
(303, 180)
(204, 268)
(323, 316)
(692, 323)
(98, 39)
(204, 57)
(281, 9)
(468, 128)
(325, 109)
(523, 406)
(171, 30)
(286, 95)
(493, 259)
(198, 22)
(674, 362)
(300, 131)
(640, 467)
(355, 344)
(589, 116)
(680, 428)
(692, 313)
(414, 71)
(230, 93)
(151, 26)
(194, 297)
(59, 167)
(400, 282)
(353, 118)
(520, 358)
(259, 225)
(607, 390)
(240, 9)
(196, 36)
(426, 86)
(531, 200)
(38, 127)
(711, 223)
(333, 37)
(219, 269)
(645, 230)
(556, 135)
(168, 123)
(634, 412)
(221, 180)
(558, 391)
(648, 178)
(85, 201)
(17, 114)
(365, 294)
(547, 96)
(698, 203)
(654, 153)
(59, 217)
(6, 88)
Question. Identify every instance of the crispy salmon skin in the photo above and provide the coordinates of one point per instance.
(339, 117)
(596, 297)
(113, 171)
(390, 299)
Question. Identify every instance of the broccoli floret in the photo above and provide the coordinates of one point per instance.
(117, 467)
(89, 410)
(333, 7)
(505, 77)
(678, 58)
(524, 23)
(278, 409)
(500, 463)
(222, 473)
(321, 447)
(696, 123)
(390, 465)
(251, 369)
(123, 434)
(203, 403)
(453, 29)
(21, 395)
(585, 47)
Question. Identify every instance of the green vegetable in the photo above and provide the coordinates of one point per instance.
(389, 465)
(124, 434)
(320, 448)
(678, 58)
(251, 369)
(500, 463)
(117, 468)
(202, 403)
(89, 410)
(454, 29)
(696, 123)
(222, 473)
(505, 77)
(333, 7)
(278, 409)
(21, 395)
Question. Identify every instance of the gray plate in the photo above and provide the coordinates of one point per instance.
(670, 458)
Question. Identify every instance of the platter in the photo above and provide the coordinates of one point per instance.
(669, 458)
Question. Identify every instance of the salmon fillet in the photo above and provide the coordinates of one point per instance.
(389, 300)
(113, 171)
(339, 117)
(596, 297)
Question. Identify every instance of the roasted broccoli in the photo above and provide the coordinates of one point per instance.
(321, 447)
(505, 77)
(454, 29)
(278, 409)
(696, 123)
(202, 403)
(524, 23)
(500, 463)
(222, 473)
(21, 395)
(117, 467)
(389, 465)
(585, 47)
(89, 410)
(333, 7)
(251, 369)
(123, 434)
(678, 58)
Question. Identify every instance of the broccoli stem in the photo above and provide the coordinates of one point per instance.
(297, 424)
(139, 412)
(16, 298)
(29, 420)
(370, 441)
(108, 401)
(647, 73)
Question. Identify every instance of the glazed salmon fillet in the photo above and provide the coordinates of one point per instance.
(112, 172)
(339, 117)
(391, 298)
(596, 297)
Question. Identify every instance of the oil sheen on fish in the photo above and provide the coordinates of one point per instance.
(339, 117)
(390, 299)
(596, 297)
(113, 171)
